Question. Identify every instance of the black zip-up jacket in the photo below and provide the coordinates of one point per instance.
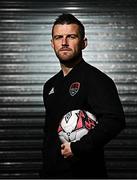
(85, 88)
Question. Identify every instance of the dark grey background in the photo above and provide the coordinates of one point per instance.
(27, 61)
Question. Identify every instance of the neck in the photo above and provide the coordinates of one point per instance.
(67, 67)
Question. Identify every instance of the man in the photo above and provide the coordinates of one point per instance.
(96, 93)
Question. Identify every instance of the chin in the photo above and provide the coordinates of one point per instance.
(65, 61)
(69, 59)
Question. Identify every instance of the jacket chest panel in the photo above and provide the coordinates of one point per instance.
(66, 95)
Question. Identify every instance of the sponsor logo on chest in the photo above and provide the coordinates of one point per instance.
(74, 88)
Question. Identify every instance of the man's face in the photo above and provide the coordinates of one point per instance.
(67, 42)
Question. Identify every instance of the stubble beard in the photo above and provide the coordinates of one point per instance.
(70, 61)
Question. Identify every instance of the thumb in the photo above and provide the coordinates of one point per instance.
(62, 146)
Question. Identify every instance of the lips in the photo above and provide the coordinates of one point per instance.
(65, 49)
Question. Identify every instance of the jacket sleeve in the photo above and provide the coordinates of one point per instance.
(104, 101)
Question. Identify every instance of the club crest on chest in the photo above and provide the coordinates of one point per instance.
(74, 88)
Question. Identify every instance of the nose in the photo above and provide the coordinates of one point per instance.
(64, 41)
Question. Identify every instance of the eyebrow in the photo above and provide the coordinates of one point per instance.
(60, 35)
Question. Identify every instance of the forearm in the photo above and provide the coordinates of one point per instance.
(107, 128)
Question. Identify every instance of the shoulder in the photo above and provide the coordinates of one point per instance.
(49, 83)
(96, 76)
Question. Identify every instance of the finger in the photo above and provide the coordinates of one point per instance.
(62, 152)
(62, 146)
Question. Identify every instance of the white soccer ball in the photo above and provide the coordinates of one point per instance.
(75, 124)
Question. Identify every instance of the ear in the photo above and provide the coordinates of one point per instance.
(84, 43)
(52, 44)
